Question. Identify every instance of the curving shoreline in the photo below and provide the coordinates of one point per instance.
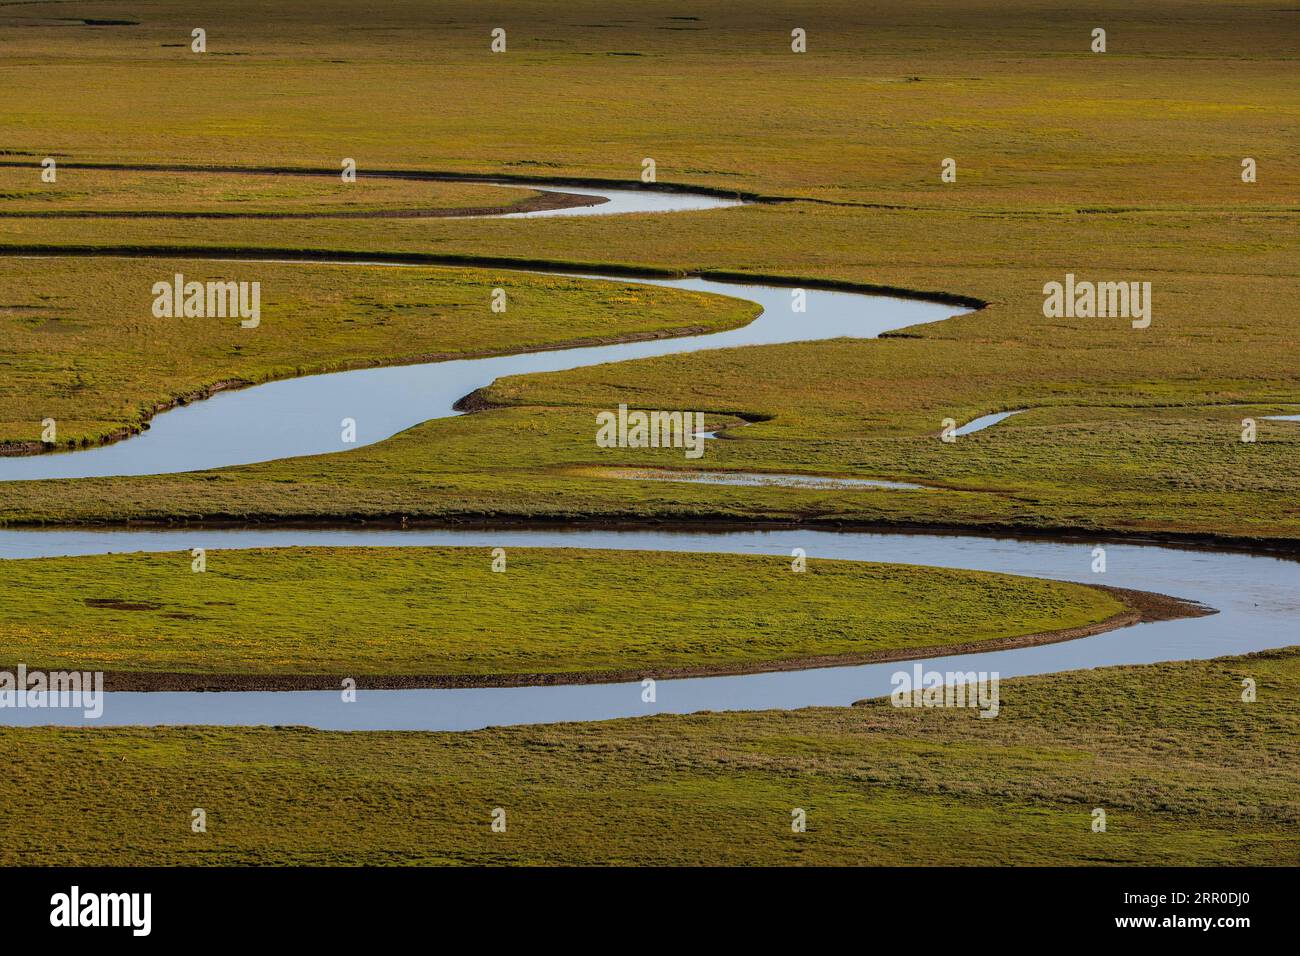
(417, 394)
(1141, 607)
(420, 175)
(24, 449)
(714, 689)
(542, 202)
(1250, 592)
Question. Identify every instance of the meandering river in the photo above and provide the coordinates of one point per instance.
(1256, 594)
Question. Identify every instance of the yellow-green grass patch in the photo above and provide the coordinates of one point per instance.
(446, 611)
(1187, 773)
(80, 343)
(177, 193)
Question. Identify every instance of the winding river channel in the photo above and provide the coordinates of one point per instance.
(1256, 594)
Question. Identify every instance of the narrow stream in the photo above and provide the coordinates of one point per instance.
(1256, 595)
(302, 416)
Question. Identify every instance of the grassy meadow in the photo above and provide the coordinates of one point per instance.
(79, 191)
(79, 342)
(1116, 166)
(446, 611)
(1186, 772)
(1120, 166)
(713, 93)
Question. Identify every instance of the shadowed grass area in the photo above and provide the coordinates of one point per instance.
(445, 611)
(1186, 772)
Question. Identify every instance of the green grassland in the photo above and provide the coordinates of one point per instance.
(100, 191)
(1186, 772)
(79, 342)
(1162, 470)
(715, 96)
(1121, 166)
(445, 611)
(1117, 166)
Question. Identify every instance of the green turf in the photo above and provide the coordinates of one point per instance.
(1186, 772)
(393, 611)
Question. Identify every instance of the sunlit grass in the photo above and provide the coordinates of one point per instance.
(81, 345)
(1186, 772)
(446, 611)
